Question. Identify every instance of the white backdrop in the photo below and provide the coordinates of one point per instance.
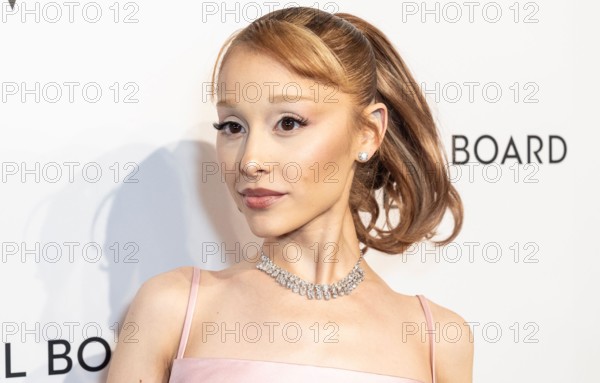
(104, 125)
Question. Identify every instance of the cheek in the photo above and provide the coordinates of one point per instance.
(222, 149)
(226, 165)
(325, 163)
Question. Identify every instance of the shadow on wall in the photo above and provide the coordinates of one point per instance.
(178, 208)
(163, 221)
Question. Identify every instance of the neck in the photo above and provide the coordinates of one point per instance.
(321, 253)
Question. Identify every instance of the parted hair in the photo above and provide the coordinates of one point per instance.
(347, 52)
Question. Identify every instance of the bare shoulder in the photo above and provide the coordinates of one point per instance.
(152, 328)
(162, 294)
(167, 283)
(454, 345)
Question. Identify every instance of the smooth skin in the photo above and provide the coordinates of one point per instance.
(241, 312)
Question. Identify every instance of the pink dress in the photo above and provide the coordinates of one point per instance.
(230, 370)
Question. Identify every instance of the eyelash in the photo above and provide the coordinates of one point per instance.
(299, 120)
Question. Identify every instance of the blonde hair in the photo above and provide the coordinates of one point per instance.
(356, 57)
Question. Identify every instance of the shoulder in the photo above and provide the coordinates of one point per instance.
(163, 299)
(163, 291)
(149, 336)
(166, 283)
(159, 306)
(453, 342)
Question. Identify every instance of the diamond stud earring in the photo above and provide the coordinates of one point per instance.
(363, 156)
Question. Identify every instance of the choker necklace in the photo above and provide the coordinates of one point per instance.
(312, 290)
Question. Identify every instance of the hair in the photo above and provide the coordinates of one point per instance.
(358, 59)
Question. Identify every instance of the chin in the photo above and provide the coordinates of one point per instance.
(268, 231)
(267, 227)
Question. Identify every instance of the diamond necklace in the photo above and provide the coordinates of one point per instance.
(312, 290)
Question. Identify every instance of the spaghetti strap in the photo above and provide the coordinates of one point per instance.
(430, 332)
(189, 315)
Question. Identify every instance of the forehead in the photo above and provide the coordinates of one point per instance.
(248, 64)
(248, 75)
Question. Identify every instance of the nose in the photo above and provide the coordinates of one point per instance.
(252, 163)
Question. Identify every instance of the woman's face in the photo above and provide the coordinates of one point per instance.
(287, 134)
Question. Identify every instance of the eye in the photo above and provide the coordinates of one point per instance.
(288, 123)
(228, 127)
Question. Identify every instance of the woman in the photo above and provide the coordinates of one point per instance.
(318, 118)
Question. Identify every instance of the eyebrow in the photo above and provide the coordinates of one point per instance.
(280, 98)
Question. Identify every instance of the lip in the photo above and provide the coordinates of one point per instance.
(260, 198)
(260, 192)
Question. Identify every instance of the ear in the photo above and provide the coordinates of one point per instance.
(378, 114)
